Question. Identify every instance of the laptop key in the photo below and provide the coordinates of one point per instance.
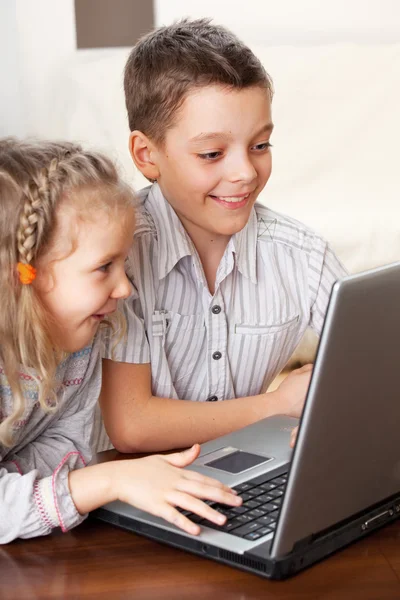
(229, 525)
(247, 528)
(264, 498)
(268, 486)
(276, 493)
(256, 513)
(277, 501)
(239, 510)
(255, 491)
(279, 480)
(254, 535)
(265, 520)
(245, 518)
(243, 487)
(228, 514)
(245, 496)
(269, 507)
(252, 504)
(264, 530)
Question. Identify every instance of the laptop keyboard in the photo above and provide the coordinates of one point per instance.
(257, 515)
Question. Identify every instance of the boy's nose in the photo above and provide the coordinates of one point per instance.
(123, 288)
(242, 169)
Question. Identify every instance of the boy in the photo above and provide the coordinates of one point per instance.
(223, 288)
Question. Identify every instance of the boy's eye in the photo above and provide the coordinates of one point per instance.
(105, 268)
(210, 155)
(262, 146)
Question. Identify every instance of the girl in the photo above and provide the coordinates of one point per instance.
(66, 225)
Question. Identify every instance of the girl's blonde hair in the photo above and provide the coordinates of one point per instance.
(35, 178)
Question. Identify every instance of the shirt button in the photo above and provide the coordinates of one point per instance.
(212, 399)
(216, 309)
(217, 355)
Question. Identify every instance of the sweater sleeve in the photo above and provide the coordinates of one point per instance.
(34, 491)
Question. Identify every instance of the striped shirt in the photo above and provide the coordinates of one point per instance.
(273, 281)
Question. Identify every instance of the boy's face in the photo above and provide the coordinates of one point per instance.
(216, 159)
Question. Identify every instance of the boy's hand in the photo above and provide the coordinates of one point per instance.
(157, 484)
(291, 393)
(293, 436)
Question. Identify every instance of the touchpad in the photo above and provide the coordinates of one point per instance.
(237, 461)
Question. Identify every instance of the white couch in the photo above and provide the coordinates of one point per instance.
(336, 141)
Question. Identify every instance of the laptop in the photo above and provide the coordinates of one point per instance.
(341, 481)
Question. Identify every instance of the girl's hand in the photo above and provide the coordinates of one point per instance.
(158, 484)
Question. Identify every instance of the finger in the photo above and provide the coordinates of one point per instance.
(305, 368)
(170, 514)
(208, 492)
(184, 458)
(193, 475)
(194, 505)
(293, 437)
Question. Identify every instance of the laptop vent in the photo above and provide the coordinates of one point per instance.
(244, 561)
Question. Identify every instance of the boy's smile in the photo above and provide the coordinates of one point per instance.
(216, 159)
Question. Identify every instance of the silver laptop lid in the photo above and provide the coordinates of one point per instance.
(347, 455)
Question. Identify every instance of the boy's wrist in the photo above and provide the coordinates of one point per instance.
(270, 403)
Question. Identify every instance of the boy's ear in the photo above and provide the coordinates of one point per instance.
(141, 148)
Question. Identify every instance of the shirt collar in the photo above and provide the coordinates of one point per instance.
(245, 248)
(174, 242)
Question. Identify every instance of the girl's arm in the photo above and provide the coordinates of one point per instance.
(34, 487)
(36, 496)
(32, 505)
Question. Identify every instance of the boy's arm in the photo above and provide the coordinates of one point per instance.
(136, 421)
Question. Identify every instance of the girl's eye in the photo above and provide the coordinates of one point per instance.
(105, 268)
(263, 146)
(210, 155)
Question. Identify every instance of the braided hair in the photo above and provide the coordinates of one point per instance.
(36, 178)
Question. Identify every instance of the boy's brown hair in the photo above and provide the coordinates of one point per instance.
(170, 61)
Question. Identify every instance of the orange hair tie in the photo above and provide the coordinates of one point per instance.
(27, 273)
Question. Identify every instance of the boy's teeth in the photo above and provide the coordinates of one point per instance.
(232, 198)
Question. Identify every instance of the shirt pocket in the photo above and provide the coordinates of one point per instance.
(267, 329)
(183, 342)
(261, 351)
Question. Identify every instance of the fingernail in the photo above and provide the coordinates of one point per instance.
(221, 519)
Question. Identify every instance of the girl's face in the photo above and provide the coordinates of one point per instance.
(81, 279)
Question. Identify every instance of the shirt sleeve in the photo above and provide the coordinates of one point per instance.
(34, 491)
(324, 269)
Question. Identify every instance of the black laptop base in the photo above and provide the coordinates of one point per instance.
(304, 555)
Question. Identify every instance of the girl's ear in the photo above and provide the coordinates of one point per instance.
(142, 149)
